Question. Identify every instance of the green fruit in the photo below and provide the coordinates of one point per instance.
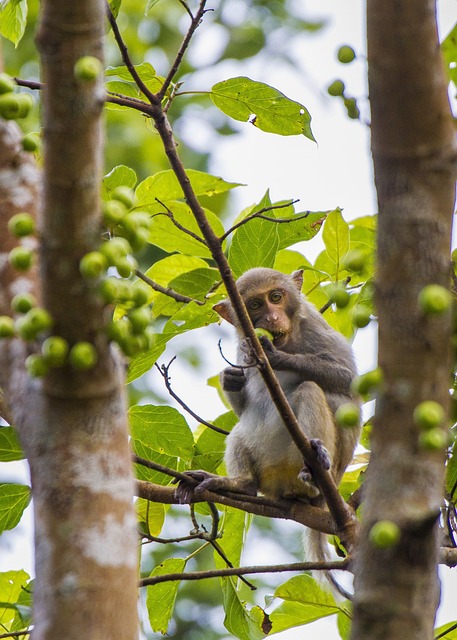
(367, 383)
(336, 88)
(126, 266)
(140, 237)
(340, 296)
(264, 332)
(135, 220)
(139, 293)
(354, 260)
(7, 84)
(31, 142)
(134, 344)
(37, 320)
(113, 212)
(7, 329)
(110, 289)
(429, 414)
(125, 195)
(139, 319)
(23, 302)
(361, 316)
(87, 68)
(347, 415)
(9, 106)
(26, 103)
(55, 350)
(83, 356)
(115, 249)
(93, 264)
(385, 534)
(21, 224)
(434, 299)
(119, 330)
(346, 54)
(20, 258)
(36, 365)
(435, 439)
(352, 108)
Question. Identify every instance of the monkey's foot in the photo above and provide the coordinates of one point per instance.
(323, 457)
(185, 490)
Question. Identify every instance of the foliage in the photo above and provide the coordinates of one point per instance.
(175, 256)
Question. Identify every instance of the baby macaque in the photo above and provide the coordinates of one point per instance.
(315, 367)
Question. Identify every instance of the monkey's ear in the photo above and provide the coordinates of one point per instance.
(297, 278)
(224, 309)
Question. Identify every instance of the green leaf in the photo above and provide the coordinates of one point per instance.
(164, 186)
(300, 229)
(166, 235)
(195, 284)
(12, 584)
(162, 429)
(305, 602)
(449, 49)
(210, 445)
(13, 19)
(151, 515)
(119, 176)
(10, 447)
(451, 473)
(344, 622)
(336, 237)
(115, 5)
(145, 70)
(150, 5)
(263, 106)
(255, 243)
(13, 500)
(442, 632)
(161, 598)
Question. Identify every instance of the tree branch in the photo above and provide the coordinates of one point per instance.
(167, 290)
(259, 214)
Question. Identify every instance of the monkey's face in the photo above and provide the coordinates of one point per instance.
(272, 310)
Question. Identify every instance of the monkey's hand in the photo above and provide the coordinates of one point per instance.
(323, 458)
(233, 379)
(278, 359)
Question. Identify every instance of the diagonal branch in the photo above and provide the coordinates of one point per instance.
(167, 291)
(259, 214)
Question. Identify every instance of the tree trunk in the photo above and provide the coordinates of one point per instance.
(413, 147)
(72, 424)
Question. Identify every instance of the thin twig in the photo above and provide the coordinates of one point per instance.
(337, 565)
(169, 214)
(17, 634)
(163, 370)
(167, 290)
(259, 214)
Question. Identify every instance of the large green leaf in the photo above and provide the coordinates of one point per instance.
(164, 186)
(118, 176)
(336, 237)
(151, 515)
(13, 19)
(449, 49)
(210, 445)
(12, 583)
(10, 448)
(13, 500)
(305, 601)
(162, 429)
(161, 598)
(145, 70)
(265, 107)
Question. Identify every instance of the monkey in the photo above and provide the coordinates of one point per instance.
(315, 367)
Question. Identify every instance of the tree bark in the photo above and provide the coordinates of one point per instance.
(414, 153)
(73, 424)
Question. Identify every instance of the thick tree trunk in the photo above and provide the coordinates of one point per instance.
(414, 153)
(73, 424)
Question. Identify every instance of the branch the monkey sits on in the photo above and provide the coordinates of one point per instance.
(315, 366)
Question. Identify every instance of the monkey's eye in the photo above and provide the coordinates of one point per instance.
(276, 297)
(254, 305)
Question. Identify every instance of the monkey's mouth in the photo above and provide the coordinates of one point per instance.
(278, 336)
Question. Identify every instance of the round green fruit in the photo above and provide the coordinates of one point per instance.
(264, 332)
(31, 142)
(114, 249)
(354, 260)
(83, 356)
(435, 439)
(113, 212)
(36, 365)
(126, 266)
(7, 83)
(9, 106)
(87, 68)
(39, 320)
(347, 415)
(93, 265)
(336, 88)
(20, 258)
(429, 414)
(139, 319)
(23, 302)
(361, 316)
(55, 350)
(139, 293)
(384, 534)
(125, 195)
(26, 103)
(340, 296)
(346, 54)
(7, 329)
(21, 225)
(434, 299)
(367, 383)
(352, 109)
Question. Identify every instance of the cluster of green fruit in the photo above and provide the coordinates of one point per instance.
(123, 221)
(21, 225)
(337, 88)
(13, 105)
(430, 417)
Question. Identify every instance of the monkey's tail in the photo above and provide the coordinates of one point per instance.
(317, 550)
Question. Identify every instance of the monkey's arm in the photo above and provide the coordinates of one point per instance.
(330, 374)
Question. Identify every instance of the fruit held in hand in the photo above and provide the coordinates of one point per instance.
(434, 299)
(384, 534)
(264, 332)
(83, 356)
(21, 225)
(347, 415)
(87, 68)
